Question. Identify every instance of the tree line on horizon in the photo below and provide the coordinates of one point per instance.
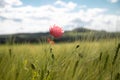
(78, 34)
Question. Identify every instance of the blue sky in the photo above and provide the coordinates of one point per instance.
(18, 16)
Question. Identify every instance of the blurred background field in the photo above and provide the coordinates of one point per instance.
(78, 60)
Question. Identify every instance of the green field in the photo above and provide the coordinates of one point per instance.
(98, 60)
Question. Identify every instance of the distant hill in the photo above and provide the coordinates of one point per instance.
(83, 30)
(69, 36)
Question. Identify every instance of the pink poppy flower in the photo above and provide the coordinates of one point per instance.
(56, 31)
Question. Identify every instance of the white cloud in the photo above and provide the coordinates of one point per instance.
(113, 1)
(60, 3)
(104, 22)
(13, 2)
(9, 3)
(69, 5)
(35, 19)
(95, 19)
